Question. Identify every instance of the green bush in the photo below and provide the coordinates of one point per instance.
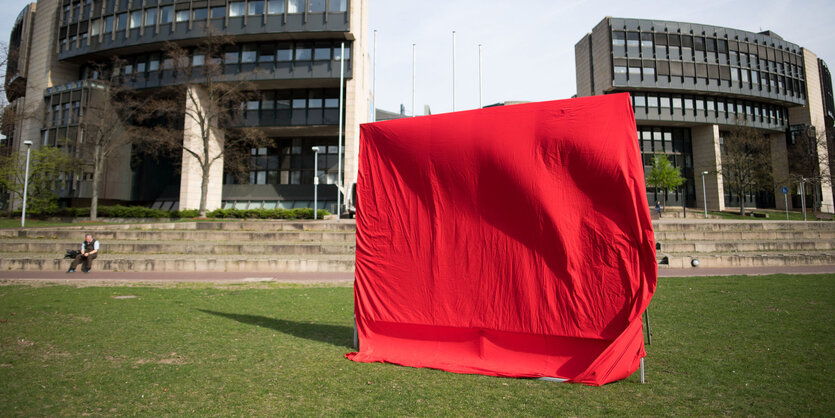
(119, 211)
(301, 213)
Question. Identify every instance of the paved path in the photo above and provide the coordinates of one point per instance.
(333, 278)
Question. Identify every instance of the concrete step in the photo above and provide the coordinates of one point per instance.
(694, 247)
(185, 263)
(228, 225)
(726, 226)
(181, 235)
(801, 258)
(664, 236)
(181, 247)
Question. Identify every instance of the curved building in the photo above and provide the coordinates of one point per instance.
(692, 83)
(289, 50)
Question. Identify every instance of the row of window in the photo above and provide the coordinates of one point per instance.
(292, 162)
(293, 107)
(649, 71)
(62, 114)
(717, 107)
(264, 54)
(698, 48)
(166, 14)
(279, 204)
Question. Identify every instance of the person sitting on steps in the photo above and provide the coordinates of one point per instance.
(89, 251)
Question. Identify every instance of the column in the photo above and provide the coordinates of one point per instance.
(191, 176)
(707, 157)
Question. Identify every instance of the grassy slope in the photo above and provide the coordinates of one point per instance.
(738, 345)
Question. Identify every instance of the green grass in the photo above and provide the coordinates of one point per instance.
(721, 346)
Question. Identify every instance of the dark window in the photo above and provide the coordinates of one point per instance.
(201, 13)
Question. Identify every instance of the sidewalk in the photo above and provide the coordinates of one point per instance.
(105, 277)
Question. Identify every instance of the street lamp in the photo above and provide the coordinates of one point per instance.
(704, 192)
(315, 181)
(25, 183)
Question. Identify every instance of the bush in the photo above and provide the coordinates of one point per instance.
(120, 211)
(301, 213)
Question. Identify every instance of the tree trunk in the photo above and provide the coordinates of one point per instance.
(204, 190)
(742, 202)
(94, 196)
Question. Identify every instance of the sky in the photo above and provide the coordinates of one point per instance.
(528, 45)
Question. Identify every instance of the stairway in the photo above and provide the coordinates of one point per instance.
(236, 246)
(718, 243)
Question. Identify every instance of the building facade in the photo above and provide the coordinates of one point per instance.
(293, 52)
(691, 84)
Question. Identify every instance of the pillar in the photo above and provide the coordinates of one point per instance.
(707, 157)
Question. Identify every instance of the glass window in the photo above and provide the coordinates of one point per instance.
(95, 27)
(108, 24)
(198, 60)
(664, 101)
(201, 13)
(166, 14)
(230, 57)
(183, 15)
(337, 51)
(338, 5)
(640, 100)
(218, 12)
(284, 52)
(303, 53)
(249, 54)
(620, 69)
(618, 38)
(649, 73)
(153, 64)
(150, 17)
(676, 102)
(252, 105)
(256, 8)
(295, 6)
(140, 65)
(331, 103)
(135, 19)
(646, 39)
(322, 53)
(266, 54)
(275, 7)
(237, 8)
(632, 39)
(128, 69)
(315, 6)
(299, 103)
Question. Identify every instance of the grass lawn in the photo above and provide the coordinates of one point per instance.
(731, 345)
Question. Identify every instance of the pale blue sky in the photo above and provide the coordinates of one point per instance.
(529, 44)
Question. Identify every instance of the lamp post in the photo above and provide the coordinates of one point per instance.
(704, 192)
(25, 183)
(315, 181)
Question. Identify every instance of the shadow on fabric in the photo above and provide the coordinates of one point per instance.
(338, 335)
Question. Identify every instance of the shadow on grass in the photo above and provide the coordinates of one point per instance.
(338, 335)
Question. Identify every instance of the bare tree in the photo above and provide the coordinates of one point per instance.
(746, 162)
(804, 161)
(212, 108)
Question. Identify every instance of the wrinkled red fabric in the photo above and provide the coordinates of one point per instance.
(508, 241)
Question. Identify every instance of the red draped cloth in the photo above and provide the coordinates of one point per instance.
(508, 241)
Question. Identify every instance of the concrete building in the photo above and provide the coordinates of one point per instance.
(289, 49)
(692, 83)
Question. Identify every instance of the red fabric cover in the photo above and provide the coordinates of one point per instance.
(508, 241)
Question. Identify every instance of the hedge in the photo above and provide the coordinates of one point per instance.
(120, 211)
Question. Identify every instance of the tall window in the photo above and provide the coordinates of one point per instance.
(295, 6)
(316, 6)
(150, 17)
(338, 5)
(95, 27)
(237, 8)
(275, 7)
(166, 14)
(135, 19)
(108, 24)
(184, 15)
(256, 7)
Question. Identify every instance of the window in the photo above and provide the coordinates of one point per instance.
(108, 24)
(266, 53)
(121, 21)
(237, 8)
(166, 14)
(183, 15)
(136, 19)
(618, 38)
(66, 114)
(201, 14)
(299, 103)
(632, 39)
(153, 64)
(198, 60)
(150, 17)
(140, 66)
(275, 7)
(303, 53)
(256, 8)
(295, 6)
(230, 57)
(338, 5)
(248, 54)
(322, 53)
(338, 50)
(284, 52)
(316, 6)
(218, 12)
(95, 27)
(640, 101)
(128, 69)
(56, 112)
(620, 69)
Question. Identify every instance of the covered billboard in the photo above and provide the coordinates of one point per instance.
(509, 241)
